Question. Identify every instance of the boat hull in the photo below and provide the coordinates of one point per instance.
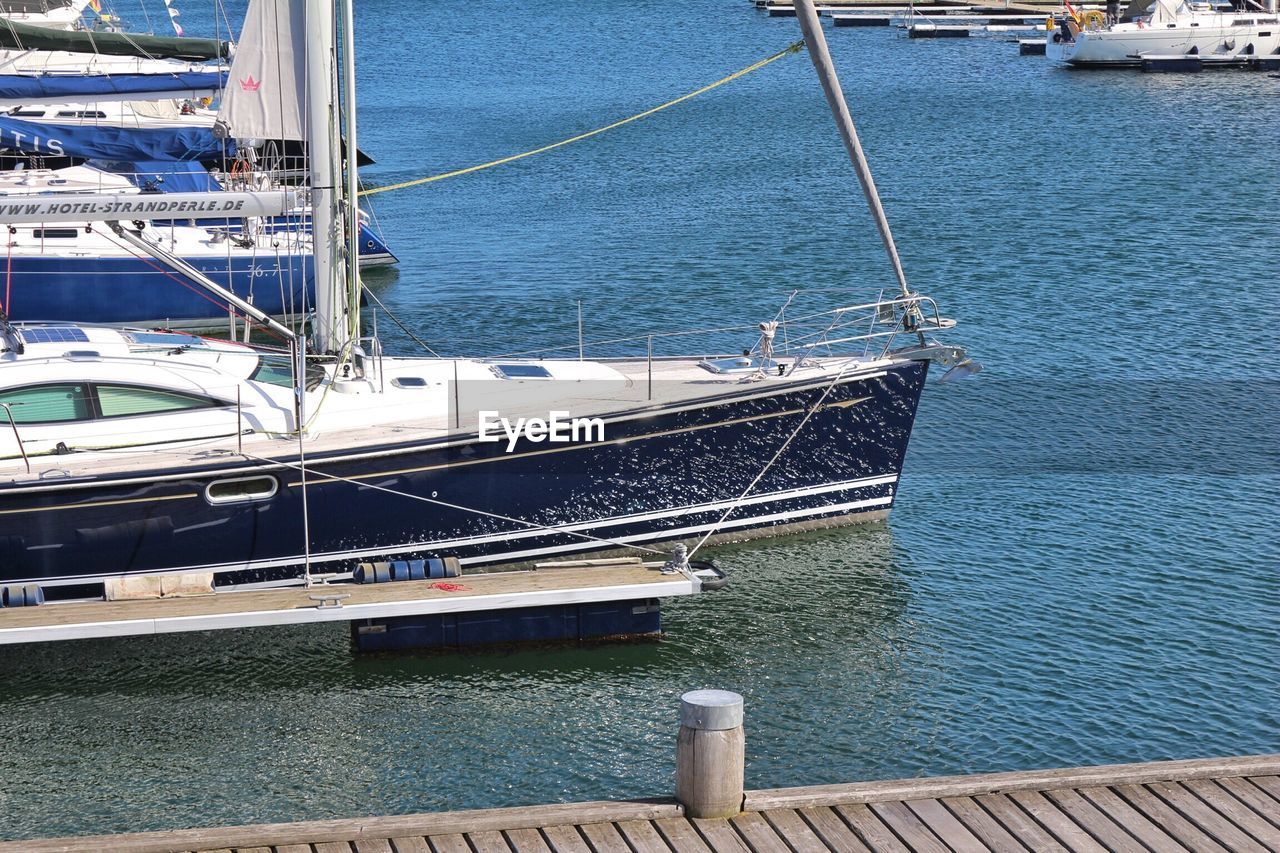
(141, 291)
(1125, 48)
(656, 477)
(79, 287)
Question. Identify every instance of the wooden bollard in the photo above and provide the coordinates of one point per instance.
(710, 754)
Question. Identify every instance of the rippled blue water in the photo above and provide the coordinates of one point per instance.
(1082, 566)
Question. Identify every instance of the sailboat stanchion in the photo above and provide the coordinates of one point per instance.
(650, 367)
(16, 437)
(457, 408)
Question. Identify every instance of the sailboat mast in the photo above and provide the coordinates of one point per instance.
(329, 334)
(353, 179)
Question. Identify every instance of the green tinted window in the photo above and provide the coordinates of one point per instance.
(274, 370)
(47, 404)
(122, 400)
(278, 370)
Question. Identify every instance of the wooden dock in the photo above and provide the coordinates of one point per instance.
(1207, 804)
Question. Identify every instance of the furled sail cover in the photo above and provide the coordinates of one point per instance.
(44, 87)
(16, 36)
(115, 143)
(1165, 12)
(264, 97)
(161, 176)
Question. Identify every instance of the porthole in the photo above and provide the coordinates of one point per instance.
(241, 490)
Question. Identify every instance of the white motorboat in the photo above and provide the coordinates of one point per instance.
(1166, 28)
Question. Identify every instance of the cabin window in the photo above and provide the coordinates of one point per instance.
(241, 490)
(21, 113)
(47, 404)
(164, 339)
(278, 370)
(55, 233)
(118, 401)
(409, 382)
(81, 114)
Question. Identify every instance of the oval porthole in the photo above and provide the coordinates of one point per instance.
(241, 490)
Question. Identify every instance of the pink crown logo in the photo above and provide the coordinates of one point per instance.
(250, 85)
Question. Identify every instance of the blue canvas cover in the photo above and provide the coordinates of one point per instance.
(113, 143)
(162, 176)
(37, 87)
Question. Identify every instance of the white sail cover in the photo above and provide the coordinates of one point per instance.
(264, 96)
(1164, 13)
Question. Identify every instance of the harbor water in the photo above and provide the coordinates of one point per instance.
(1083, 565)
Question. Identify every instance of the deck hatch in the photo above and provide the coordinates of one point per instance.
(520, 371)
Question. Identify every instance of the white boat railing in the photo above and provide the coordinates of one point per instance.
(875, 326)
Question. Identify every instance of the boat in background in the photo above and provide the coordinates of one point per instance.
(1210, 32)
(65, 272)
(52, 14)
(43, 63)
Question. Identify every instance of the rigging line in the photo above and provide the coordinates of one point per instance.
(417, 340)
(814, 409)
(529, 524)
(182, 280)
(791, 48)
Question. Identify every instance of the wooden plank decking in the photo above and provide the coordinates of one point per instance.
(1205, 804)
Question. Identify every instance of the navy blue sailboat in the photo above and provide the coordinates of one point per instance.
(143, 453)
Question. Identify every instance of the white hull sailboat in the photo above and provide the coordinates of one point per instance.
(1167, 28)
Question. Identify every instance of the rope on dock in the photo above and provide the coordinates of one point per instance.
(755, 66)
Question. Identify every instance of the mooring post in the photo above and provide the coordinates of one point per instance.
(710, 754)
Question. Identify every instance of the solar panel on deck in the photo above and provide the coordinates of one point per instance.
(55, 335)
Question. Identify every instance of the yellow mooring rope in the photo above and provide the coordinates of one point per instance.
(455, 173)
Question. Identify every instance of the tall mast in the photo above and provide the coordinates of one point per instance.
(353, 178)
(330, 332)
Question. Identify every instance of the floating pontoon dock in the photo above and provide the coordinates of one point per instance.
(1210, 804)
(977, 21)
(372, 608)
(834, 9)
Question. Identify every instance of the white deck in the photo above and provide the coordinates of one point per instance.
(364, 413)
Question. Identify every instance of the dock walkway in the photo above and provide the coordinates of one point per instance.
(575, 582)
(1205, 804)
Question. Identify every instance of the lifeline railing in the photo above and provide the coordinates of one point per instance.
(875, 325)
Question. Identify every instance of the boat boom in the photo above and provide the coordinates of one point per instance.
(105, 207)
